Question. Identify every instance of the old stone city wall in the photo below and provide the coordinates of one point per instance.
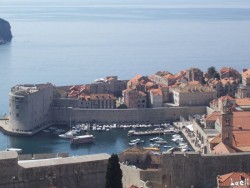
(73, 172)
(200, 171)
(147, 115)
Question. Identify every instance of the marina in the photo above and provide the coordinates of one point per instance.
(110, 141)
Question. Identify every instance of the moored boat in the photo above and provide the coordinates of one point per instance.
(18, 150)
(82, 139)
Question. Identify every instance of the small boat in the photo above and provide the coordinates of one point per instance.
(167, 146)
(18, 150)
(83, 139)
(69, 134)
(161, 142)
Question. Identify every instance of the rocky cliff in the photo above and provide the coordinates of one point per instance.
(5, 32)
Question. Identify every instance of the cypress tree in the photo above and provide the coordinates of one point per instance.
(114, 173)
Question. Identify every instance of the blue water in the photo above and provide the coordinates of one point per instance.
(74, 42)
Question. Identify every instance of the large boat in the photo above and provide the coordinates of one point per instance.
(82, 139)
(18, 150)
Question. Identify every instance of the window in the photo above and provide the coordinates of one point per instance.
(17, 107)
(17, 114)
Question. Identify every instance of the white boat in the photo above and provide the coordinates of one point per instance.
(156, 139)
(69, 134)
(83, 139)
(167, 146)
(18, 150)
(161, 142)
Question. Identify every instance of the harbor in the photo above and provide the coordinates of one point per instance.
(108, 138)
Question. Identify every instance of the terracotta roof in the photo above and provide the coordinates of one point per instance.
(169, 76)
(194, 82)
(215, 140)
(228, 69)
(241, 140)
(149, 84)
(102, 97)
(246, 74)
(241, 120)
(186, 88)
(156, 92)
(243, 102)
(222, 149)
(180, 74)
(226, 179)
(213, 117)
(142, 93)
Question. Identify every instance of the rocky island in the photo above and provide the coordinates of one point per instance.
(5, 31)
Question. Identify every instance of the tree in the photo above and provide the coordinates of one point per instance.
(114, 173)
(212, 73)
(122, 106)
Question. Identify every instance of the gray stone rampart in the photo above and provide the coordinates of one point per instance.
(192, 169)
(74, 172)
(8, 167)
(147, 115)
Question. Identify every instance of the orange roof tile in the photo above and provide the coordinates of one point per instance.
(169, 76)
(156, 92)
(243, 102)
(102, 97)
(215, 140)
(241, 120)
(226, 179)
(213, 117)
(241, 139)
(222, 149)
(142, 93)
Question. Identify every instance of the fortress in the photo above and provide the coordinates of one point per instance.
(35, 107)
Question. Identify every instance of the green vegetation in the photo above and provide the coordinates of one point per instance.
(122, 106)
(212, 73)
(114, 173)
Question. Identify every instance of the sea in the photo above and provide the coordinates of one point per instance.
(75, 42)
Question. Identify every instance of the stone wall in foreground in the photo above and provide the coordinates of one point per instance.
(74, 172)
(193, 169)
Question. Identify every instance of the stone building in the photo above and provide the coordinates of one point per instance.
(229, 72)
(103, 101)
(194, 74)
(226, 86)
(243, 90)
(134, 98)
(156, 98)
(109, 85)
(29, 106)
(193, 94)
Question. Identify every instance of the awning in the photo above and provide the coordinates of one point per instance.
(190, 127)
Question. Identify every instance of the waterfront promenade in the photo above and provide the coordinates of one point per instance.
(189, 136)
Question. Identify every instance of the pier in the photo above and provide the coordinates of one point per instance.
(189, 137)
(152, 132)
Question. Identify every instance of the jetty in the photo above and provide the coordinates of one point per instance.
(152, 132)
